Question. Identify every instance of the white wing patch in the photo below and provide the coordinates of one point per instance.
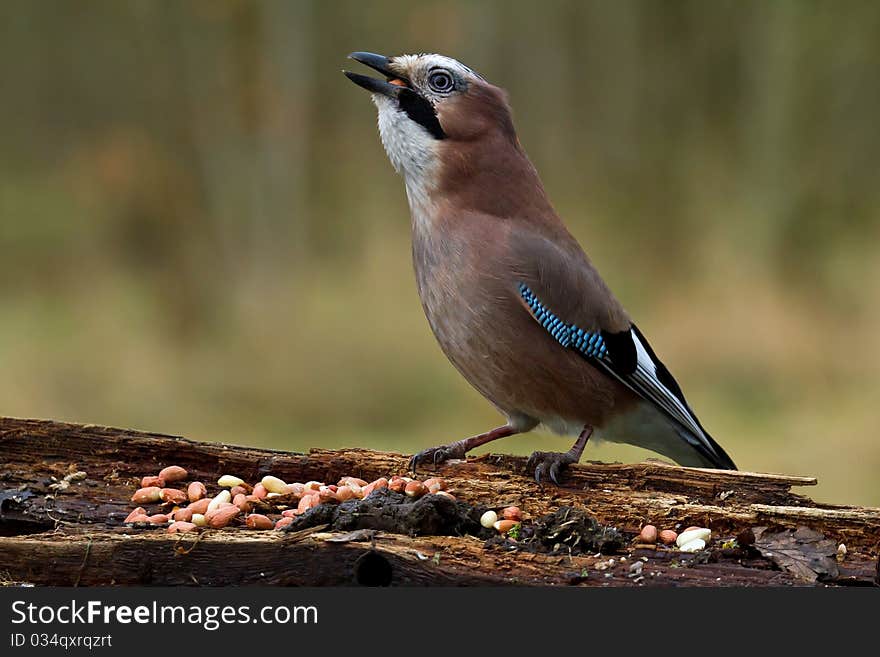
(644, 359)
(645, 383)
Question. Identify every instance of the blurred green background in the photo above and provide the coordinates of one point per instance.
(200, 233)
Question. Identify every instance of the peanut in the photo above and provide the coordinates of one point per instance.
(694, 545)
(667, 537)
(434, 484)
(200, 506)
(183, 515)
(229, 481)
(343, 494)
(152, 480)
(648, 535)
(504, 526)
(196, 491)
(381, 482)
(222, 516)
(258, 521)
(690, 535)
(241, 502)
(512, 513)
(147, 495)
(222, 496)
(273, 484)
(306, 502)
(173, 496)
(172, 473)
(140, 511)
(415, 489)
(345, 481)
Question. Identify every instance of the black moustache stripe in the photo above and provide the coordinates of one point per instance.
(420, 111)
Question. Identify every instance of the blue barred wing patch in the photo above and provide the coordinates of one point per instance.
(568, 335)
(647, 377)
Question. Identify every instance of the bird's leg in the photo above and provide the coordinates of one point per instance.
(553, 462)
(459, 448)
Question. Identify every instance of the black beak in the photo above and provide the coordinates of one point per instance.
(378, 63)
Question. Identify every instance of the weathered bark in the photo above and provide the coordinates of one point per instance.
(74, 535)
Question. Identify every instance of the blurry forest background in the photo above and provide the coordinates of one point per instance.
(200, 233)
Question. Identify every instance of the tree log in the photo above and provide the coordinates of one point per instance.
(52, 533)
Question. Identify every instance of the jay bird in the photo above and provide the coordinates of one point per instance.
(513, 300)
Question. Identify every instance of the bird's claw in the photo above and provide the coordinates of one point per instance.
(437, 455)
(549, 464)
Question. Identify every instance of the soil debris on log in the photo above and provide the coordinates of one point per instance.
(573, 531)
(389, 511)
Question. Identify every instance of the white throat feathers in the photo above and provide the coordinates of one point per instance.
(412, 151)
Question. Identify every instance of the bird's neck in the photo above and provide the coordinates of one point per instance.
(491, 175)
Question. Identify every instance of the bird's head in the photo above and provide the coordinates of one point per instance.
(429, 105)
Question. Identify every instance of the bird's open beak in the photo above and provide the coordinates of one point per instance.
(391, 86)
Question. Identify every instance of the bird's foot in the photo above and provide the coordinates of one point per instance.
(550, 463)
(437, 455)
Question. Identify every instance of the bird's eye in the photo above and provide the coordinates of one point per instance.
(440, 81)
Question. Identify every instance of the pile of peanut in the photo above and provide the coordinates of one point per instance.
(189, 509)
(691, 539)
(511, 518)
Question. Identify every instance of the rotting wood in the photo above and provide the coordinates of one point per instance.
(233, 557)
(76, 535)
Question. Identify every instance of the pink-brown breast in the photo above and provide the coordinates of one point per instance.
(466, 271)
